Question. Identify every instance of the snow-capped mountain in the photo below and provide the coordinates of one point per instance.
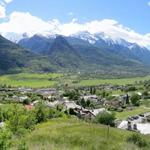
(14, 37)
(41, 43)
(84, 35)
(94, 49)
(85, 51)
(93, 38)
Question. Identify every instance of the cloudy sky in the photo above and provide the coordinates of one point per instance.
(128, 19)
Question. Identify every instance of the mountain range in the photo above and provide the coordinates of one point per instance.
(79, 52)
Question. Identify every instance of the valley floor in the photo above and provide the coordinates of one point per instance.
(34, 80)
(68, 91)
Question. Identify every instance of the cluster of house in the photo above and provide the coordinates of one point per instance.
(77, 109)
(53, 97)
(139, 123)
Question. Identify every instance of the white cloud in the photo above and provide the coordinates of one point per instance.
(111, 28)
(24, 22)
(2, 12)
(8, 1)
(3, 5)
(149, 3)
(21, 22)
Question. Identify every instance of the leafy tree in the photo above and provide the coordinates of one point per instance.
(72, 112)
(41, 112)
(145, 93)
(72, 94)
(105, 118)
(135, 99)
(26, 102)
(104, 94)
(83, 103)
(20, 119)
(92, 90)
(28, 120)
(60, 107)
(88, 103)
(14, 118)
(130, 88)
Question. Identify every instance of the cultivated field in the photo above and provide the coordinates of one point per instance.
(52, 79)
(30, 80)
(136, 111)
(124, 81)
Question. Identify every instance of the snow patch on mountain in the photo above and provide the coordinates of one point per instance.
(83, 35)
(15, 37)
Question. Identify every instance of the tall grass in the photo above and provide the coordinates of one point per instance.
(72, 134)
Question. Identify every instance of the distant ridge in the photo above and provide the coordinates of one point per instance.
(73, 53)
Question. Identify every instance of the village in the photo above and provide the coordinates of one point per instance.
(87, 102)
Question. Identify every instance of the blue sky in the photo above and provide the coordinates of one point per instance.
(131, 13)
(128, 19)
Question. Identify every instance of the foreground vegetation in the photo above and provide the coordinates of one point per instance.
(43, 128)
(74, 134)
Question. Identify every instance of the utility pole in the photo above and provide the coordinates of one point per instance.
(108, 130)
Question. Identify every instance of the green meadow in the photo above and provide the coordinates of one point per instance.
(30, 80)
(74, 134)
(124, 81)
(126, 113)
(51, 79)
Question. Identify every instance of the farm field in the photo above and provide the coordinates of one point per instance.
(136, 111)
(30, 80)
(124, 81)
(66, 134)
(52, 79)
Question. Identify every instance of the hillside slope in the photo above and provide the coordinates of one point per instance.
(16, 59)
(74, 134)
(63, 54)
(82, 53)
(69, 54)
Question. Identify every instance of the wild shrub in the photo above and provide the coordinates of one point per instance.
(138, 140)
(105, 118)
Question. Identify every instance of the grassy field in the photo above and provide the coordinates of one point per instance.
(126, 113)
(72, 134)
(146, 103)
(51, 79)
(30, 80)
(112, 81)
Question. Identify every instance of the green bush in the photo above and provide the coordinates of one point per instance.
(137, 140)
(5, 139)
(19, 119)
(135, 99)
(41, 112)
(105, 118)
(22, 145)
(130, 88)
(145, 93)
(26, 102)
(72, 94)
